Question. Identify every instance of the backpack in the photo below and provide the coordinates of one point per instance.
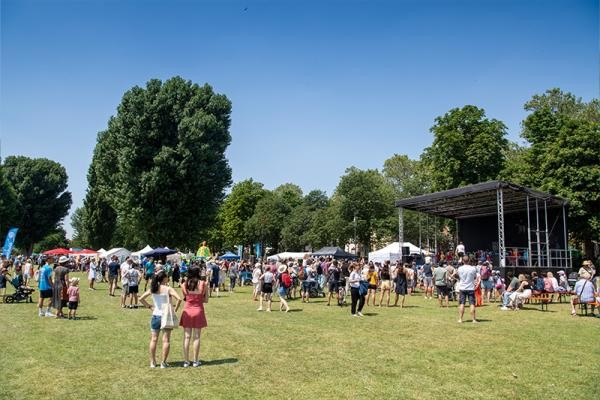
(286, 281)
(539, 285)
(485, 273)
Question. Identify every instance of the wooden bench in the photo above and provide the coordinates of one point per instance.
(583, 306)
(543, 300)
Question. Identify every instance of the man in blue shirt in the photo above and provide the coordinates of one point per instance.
(148, 271)
(45, 285)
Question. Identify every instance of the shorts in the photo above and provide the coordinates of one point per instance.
(73, 305)
(372, 287)
(45, 294)
(112, 277)
(386, 285)
(148, 276)
(64, 303)
(463, 297)
(155, 323)
(125, 291)
(428, 281)
(132, 289)
(410, 283)
(282, 291)
(400, 290)
(256, 287)
(214, 284)
(267, 288)
(487, 284)
(442, 290)
(334, 287)
(460, 254)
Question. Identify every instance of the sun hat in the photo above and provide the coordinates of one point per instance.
(63, 259)
(282, 268)
(74, 280)
(257, 265)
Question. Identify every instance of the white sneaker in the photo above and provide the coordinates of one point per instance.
(504, 308)
(164, 365)
(196, 364)
(354, 315)
(259, 309)
(186, 364)
(49, 314)
(360, 314)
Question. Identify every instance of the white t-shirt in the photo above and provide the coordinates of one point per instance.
(460, 248)
(133, 276)
(27, 268)
(355, 276)
(268, 278)
(256, 274)
(467, 275)
(124, 269)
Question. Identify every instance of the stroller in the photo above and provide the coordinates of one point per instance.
(22, 293)
(315, 290)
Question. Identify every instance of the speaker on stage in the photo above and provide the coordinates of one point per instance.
(405, 250)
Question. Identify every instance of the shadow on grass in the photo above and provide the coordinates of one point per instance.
(538, 309)
(295, 310)
(86, 318)
(370, 314)
(219, 362)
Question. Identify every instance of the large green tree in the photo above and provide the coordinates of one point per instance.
(160, 165)
(40, 186)
(238, 208)
(8, 204)
(564, 157)
(467, 148)
(368, 197)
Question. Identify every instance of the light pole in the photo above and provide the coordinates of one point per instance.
(355, 240)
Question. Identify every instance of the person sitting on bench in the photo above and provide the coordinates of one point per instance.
(584, 292)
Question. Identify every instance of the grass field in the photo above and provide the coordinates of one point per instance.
(419, 352)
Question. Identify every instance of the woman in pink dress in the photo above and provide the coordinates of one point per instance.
(193, 318)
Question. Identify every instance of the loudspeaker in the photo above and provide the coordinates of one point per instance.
(405, 250)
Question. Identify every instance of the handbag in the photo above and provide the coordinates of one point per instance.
(168, 318)
(363, 288)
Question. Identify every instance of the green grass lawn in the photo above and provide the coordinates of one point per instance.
(419, 352)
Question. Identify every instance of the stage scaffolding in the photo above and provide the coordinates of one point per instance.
(502, 199)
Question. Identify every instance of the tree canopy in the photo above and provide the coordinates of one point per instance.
(159, 170)
(43, 201)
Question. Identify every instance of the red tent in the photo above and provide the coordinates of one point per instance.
(56, 252)
(84, 251)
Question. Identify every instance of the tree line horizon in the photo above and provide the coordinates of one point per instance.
(158, 176)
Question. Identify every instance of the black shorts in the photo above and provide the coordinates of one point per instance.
(133, 289)
(442, 290)
(372, 287)
(267, 288)
(334, 287)
(45, 294)
(148, 276)
(462, 298)
(214, 284)
(73, 305)
(64, 303)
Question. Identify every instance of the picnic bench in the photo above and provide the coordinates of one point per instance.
(543, 299)
(583, 305)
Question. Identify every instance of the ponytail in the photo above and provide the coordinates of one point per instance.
(156, 280)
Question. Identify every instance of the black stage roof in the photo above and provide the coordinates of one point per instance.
(479, 200)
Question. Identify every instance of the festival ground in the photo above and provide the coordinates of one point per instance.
(315, 351)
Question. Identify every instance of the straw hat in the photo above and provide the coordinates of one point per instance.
(63, 259)
(257, 265)
(282, 268)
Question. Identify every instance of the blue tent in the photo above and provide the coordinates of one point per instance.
(229, 256)
(160, 251)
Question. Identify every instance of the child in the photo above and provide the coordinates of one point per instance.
(73, 293)
(134, 278)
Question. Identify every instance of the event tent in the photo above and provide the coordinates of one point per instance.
(138, 254)
(159, 252)
(120, 252)
(287, 255)
(83, 252)
(392, 252)
(56, 252)
(229, 256)
(334, 252)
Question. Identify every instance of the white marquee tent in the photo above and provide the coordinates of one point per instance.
(120, 252)
(392, 252)
(138, 254)
(287, 255)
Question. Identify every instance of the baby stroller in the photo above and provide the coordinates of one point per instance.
(22, 293)
(315, 290)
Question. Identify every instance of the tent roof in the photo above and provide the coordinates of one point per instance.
(142, 251)
(333, 251)
(478, 200)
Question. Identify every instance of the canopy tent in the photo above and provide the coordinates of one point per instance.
(84, 252)
(159, 252)
(287, 255)
(393, 252)
(120, 252)
(56, 252)
(334, 252)
(138, 254)
(229, 256)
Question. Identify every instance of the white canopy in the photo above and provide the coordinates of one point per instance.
(287, 255)
(138, 254)
(120, 252)
(392, 252)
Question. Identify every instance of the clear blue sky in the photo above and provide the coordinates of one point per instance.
(316, 86)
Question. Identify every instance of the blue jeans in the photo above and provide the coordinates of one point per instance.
(506, 298)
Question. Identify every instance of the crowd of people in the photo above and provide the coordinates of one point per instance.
(355, 282)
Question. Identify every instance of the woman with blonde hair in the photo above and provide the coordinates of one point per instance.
(522, 293)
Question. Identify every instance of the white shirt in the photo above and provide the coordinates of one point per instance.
(27, 268)
(256, 274)
(467, 275)
(355, 276)
(124, 269)
(460, 248)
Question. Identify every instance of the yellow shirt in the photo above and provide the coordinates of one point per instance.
(372, 277)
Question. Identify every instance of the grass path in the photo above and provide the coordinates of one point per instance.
(316, 351)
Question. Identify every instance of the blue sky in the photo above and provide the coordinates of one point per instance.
(316, 86)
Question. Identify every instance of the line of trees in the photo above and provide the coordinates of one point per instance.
(159, 174)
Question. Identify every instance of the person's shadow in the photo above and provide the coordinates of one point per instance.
(219, 362)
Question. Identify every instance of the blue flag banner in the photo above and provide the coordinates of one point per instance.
(258, 250)
(9, 242)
